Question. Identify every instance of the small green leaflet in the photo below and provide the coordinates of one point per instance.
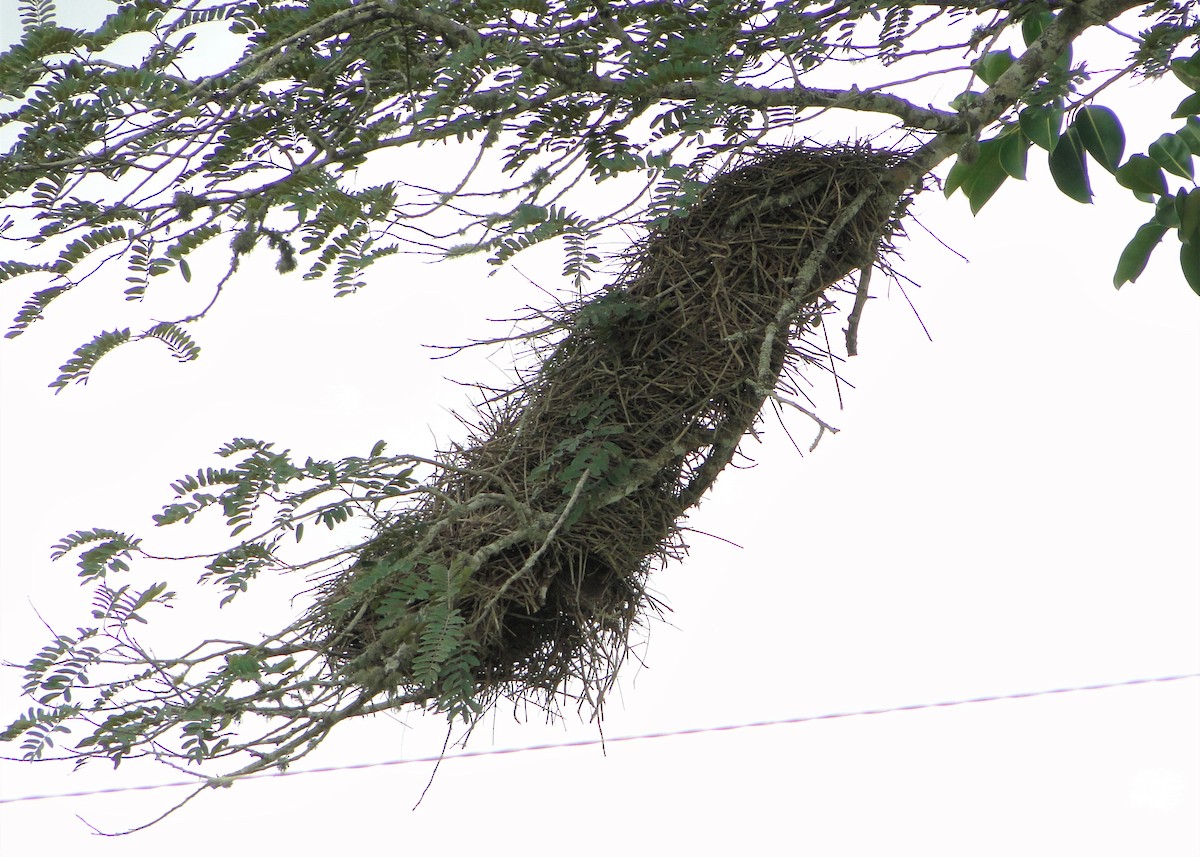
(527, 215)
(149, 595)
(244, 666)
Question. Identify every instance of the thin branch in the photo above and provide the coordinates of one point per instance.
(860, 302)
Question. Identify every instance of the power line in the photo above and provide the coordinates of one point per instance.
(622, 739)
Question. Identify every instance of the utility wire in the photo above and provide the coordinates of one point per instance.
(591, 742)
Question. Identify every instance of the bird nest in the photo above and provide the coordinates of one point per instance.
(523, 568)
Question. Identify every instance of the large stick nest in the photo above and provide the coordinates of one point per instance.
(523, 569)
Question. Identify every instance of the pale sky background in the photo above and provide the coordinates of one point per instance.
(1009, 508)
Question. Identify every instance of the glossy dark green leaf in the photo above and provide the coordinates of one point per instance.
(991, 65)
(985, 176)
(1190, 106)
(1142, 175)
(1102, 135)
(1137, 253)
(1165, 213)
(1187, 206)
(964, 99)
(186, 270)
(1188, 71)
(1042, 124)
(1014, 154)
(1190, 132)
(1068, 167)
(1189, 261)
(1172, 154)
(1033, 24)
(957, 175)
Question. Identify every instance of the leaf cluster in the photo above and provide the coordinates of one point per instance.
(118, 700)
(1094, 134)
(142, 157)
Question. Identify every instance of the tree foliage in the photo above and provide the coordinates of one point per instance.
(130, 152)
(127, 151)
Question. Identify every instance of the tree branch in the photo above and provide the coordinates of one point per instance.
(1015, 82)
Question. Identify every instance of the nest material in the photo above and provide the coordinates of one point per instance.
(535, 538)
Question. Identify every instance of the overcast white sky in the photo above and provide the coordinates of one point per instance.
(1011, 507)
